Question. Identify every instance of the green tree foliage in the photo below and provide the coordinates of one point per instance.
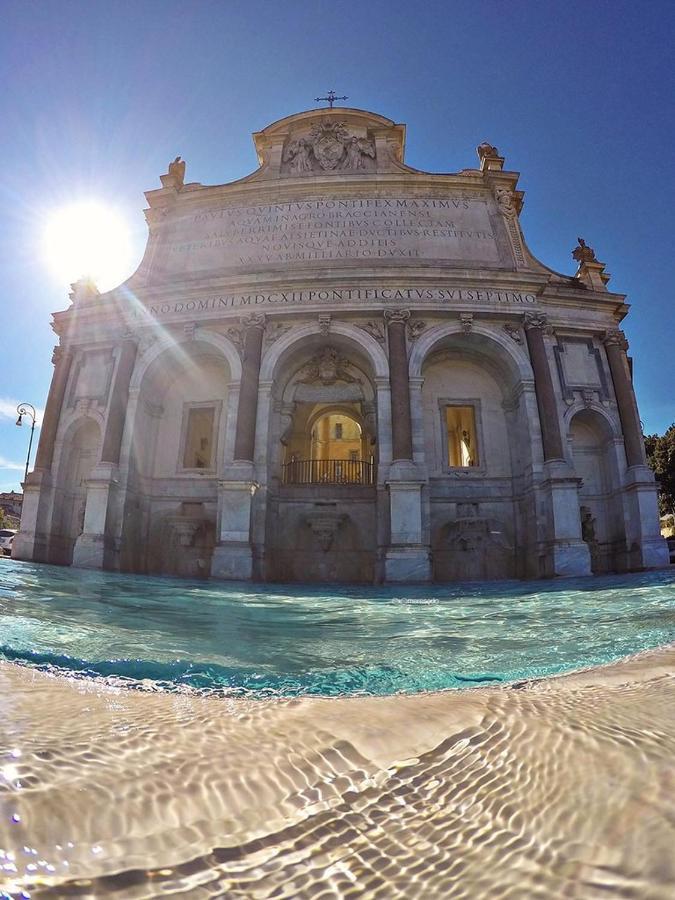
(661, 457)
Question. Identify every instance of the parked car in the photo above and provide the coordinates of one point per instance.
(6, 541)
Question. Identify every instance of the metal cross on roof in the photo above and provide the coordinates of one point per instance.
(330, 99)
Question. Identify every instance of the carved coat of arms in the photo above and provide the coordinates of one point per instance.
(328, 143)
(331, 146)
(327, 367)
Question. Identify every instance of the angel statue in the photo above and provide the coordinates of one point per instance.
(357, 149)
(297, 155)
(177, 170)
(583, 253)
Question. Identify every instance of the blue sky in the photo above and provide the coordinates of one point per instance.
(98, 96)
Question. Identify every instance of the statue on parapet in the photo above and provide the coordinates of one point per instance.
(177, 171)
(487, 151)
(83, 290)
(583, 253)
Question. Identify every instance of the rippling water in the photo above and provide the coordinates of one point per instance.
(296, 640)
(559, 789)
(246, 789)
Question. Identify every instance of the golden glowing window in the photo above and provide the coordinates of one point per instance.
(199, 438)
(461, 431)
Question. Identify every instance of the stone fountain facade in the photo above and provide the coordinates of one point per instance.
(342, 368)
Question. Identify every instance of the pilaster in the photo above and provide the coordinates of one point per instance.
(615, 346)
(32, 539)
(232, 556)
(92, 547)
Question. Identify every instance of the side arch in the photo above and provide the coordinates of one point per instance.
(501, 346)
(604, 420)
(168, 342)
(593, 447)
(80, 450)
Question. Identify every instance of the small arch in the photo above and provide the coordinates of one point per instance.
(595, 416)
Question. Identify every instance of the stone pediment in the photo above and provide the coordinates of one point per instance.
(337, 141)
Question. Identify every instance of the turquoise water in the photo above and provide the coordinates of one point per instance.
(289, 640)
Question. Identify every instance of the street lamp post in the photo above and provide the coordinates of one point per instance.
(27, 409)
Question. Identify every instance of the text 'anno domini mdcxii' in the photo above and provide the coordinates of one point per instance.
(345, 295)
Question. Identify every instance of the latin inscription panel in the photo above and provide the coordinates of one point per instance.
(315, 231)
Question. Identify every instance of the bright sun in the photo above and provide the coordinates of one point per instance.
(91, 240)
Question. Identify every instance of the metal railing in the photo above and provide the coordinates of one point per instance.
(328, 471)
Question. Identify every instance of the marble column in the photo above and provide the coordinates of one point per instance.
(565, 553)
(95, 547)
(646, 548)
(233, 553)
(32, 541)
(408, 558)
(401, 425)
(543, 384)
(244, 445)
(114, 429)
(616, 346)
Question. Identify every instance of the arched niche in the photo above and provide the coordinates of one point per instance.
(477, 403)
(181, 412)
(471, 371)
(79, 454)
(592, 444)
(175, 454)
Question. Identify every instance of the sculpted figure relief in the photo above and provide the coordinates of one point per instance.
(357, 151)
(505, 202)
(298, 156)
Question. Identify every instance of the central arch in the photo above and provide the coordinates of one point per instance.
(321, 455)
